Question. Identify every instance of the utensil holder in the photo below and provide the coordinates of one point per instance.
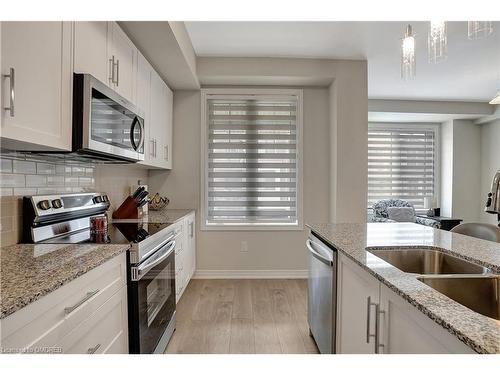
(127, 210)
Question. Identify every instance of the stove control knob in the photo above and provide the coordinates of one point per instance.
(44, 205)
(97, 199)
(57, 203)
(105, 198)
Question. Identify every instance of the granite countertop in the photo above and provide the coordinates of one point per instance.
(167, 215)
(479, 332)
(31, 271)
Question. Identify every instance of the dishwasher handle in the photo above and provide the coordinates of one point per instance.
(320, 257)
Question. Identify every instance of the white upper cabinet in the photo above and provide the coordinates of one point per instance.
(144, 70)
(160, 124)
(167, 148)
(91, 50)
(37, 85)
(123, 56)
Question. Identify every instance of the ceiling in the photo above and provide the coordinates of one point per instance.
(471, 72)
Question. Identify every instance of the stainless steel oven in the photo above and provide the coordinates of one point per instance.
(151, 296)
(105, 125)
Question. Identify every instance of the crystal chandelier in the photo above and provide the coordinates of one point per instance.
(437, 41)
(408, 63)
(479, 29)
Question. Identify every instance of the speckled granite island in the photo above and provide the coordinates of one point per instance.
(29, 272)
(478, 332)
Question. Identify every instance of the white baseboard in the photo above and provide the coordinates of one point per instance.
(250, 274)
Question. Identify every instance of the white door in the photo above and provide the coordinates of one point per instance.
(357, 296)
(91, 50)
(405, 330)
(39, 56)
(124, 60)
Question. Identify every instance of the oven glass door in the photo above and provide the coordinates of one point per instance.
(114, 125)
(156, 302)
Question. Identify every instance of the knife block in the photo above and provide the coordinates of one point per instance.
(127, 210)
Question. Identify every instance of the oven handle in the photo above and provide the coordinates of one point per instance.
(144, 268)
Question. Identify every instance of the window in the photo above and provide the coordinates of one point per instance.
(251, 158)
(402, 162)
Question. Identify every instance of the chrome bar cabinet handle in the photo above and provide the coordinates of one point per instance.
(112, 69)
(12, 88)
(88, 296)
(93, 349)
(117, 72)
(166, 152)
(369, 305)
(378, 345)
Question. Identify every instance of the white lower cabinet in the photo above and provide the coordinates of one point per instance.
(87, 315)
(185, 253)
(357, 297)
(371, 318)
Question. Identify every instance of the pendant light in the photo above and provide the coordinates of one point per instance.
(408, 62)
(479, 29)
(437, 41)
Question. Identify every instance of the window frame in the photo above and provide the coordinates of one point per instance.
(404, 126)
(250, 93)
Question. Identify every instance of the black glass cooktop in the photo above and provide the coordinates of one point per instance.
(123, 232)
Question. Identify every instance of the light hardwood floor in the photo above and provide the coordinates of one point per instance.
(243, 316)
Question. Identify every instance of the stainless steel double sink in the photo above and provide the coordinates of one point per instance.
(467, 283)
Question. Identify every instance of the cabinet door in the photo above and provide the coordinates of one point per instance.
(39, 54)
(124, 58)
(191, 244)
(144, 70)
(357, 295)
(167, 147)
(158, 126)
(405, 330)
(91, 50)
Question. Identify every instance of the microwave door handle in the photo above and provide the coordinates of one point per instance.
(132, 129)
(146, 267)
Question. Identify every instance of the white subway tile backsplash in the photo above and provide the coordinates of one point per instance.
(78, 171)
(24, 191)
(4, 192)
(55, 180)
(71, 181)
(63, 169)
(6, 166)
(24, 167)
(86, 181)
(36, 180)
(44, 168)
(12, 180)
(89, 172)
(46, 191)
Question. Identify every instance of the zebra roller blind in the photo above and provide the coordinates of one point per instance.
(252, 161)
(401, 163)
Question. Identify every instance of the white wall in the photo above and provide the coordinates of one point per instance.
(446, 168)
(460, 169)
(267, 250)
(490, 163)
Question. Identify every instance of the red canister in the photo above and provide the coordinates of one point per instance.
(99, 229)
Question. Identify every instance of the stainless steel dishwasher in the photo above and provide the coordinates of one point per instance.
(322, 293)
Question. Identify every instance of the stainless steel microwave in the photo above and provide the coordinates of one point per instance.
(105, 125)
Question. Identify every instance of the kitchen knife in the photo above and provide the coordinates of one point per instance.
(141, 196)
(139, 190)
